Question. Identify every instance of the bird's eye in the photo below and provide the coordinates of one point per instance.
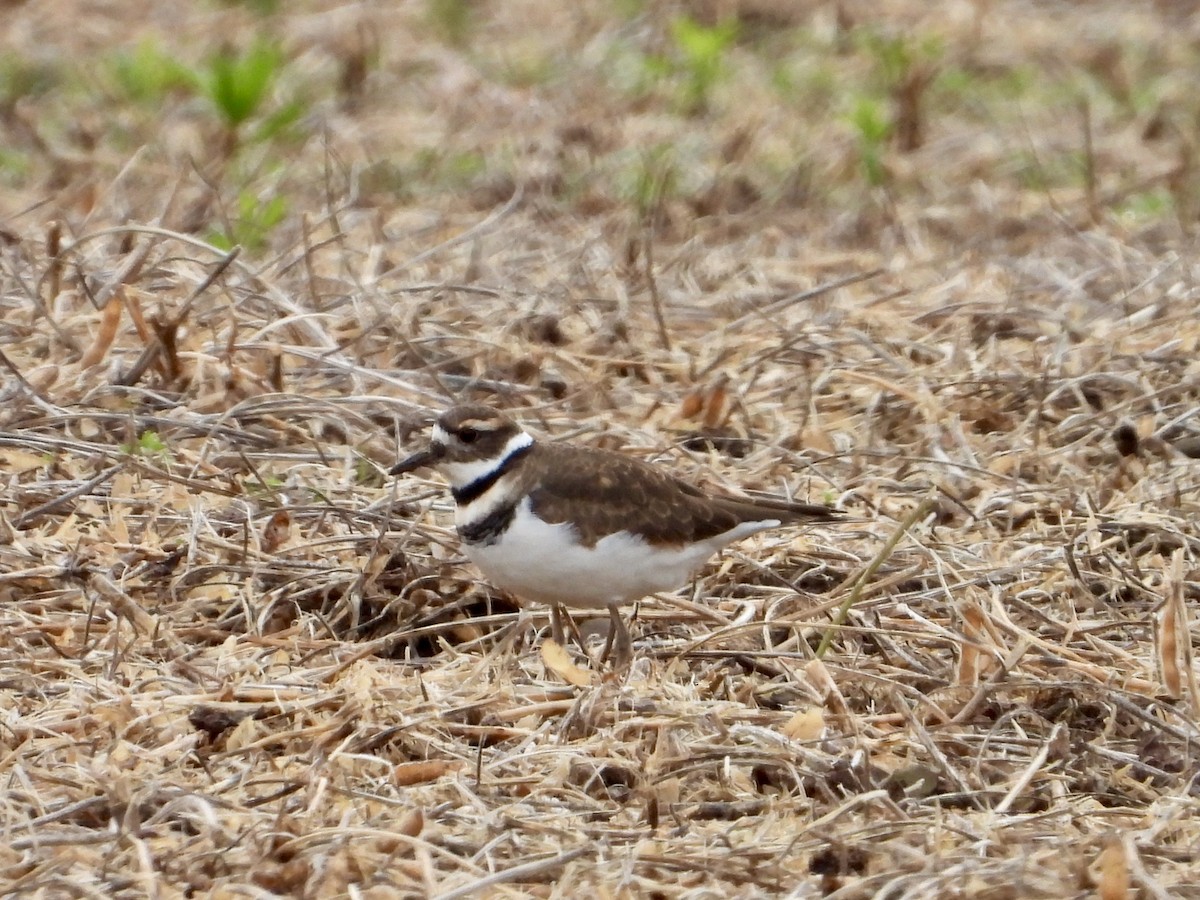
(468, 435)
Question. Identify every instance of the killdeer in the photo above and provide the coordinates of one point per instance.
(576, 526)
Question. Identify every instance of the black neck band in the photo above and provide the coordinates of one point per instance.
(476, 488)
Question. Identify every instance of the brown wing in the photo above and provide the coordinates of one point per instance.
(610, 491)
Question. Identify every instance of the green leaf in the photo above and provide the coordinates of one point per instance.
(256, 219)
(148, 444)
(869, 119)
(238, 84)
(874, 128)
(702, 50)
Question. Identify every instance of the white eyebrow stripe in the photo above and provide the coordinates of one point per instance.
(462, 474)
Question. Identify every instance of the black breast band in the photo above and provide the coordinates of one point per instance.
(488, 529)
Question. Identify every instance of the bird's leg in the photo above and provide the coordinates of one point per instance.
(556, 625)
(619, 646)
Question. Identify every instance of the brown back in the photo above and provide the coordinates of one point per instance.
(610, 492)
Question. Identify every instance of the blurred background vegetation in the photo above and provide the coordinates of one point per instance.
(927, 126)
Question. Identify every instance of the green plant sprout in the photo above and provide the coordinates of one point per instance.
(148, 445)
(253, 224)
(874, 129)
(238, 84)
(700, 58)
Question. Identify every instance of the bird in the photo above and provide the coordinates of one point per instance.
(567, 525)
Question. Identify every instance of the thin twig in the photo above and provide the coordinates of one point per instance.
(50, 505)
(919, 512)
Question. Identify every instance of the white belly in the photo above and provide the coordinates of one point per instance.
(545, 563)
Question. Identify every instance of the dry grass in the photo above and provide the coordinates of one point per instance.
(237, 660)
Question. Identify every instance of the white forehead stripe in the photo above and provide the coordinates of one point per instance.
(440, 435)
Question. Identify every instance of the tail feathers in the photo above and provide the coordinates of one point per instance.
(750, 509)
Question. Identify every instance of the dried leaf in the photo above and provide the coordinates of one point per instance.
(277, 530)
(131, 299)
(709, 404)
(422, 771)
(559, 662)
(1168, 630)
(716, 404)
(806, 725)
(410, 824)
(692, 404)
(818, 676)
(242, 735)
(1112, 870)
(968, 660)
(19, 461)
(105, 335)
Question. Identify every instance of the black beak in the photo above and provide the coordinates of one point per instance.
(425, 457)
